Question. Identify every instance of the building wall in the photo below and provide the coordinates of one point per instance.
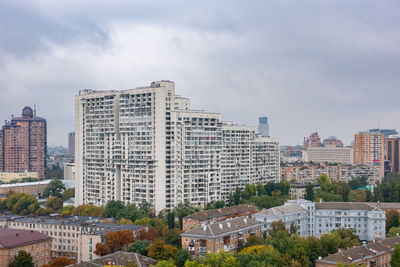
(369, 148)
(6, 177)
(71, 144)
(40, 252)
(330, 154)
(69, 171)
(35, 189)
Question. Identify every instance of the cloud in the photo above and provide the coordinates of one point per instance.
(312, 65)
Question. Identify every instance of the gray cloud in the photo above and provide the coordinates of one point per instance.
(330, 66)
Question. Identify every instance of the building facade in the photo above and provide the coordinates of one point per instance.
(317, 219)
(369, 148)
(263, 126)
(392, 153)
(71, 144)
(69, 171)
(12, 241)
(329, 154)
(228, 235)
(146, 144)
(24, 143)
(35, 189)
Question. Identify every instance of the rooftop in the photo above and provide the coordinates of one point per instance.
(204, 215)
(282, 210)
(223, 227)
(345, 206)
(10, 238)
(118, 259)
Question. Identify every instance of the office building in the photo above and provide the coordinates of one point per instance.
(329, 154)
(225, 235)
(24, 143)
(146, 144)
(320, 218)
(392, 153)
(369, 148)
(75, 237)
(374, 253)
(263, 126)
(71, 145)
(12, 241)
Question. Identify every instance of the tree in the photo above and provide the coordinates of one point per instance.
(23, 259)
(59, 262)
(66, 211)
(369, 197)
(394, 231)
(88, 210)
(68, 193)
(293, 228)
(101, 249)
(309, 192)
(394, 220)
(113, 208)
(54, 189)
(181, 256)
(115, 241)
(183, 209)
(139, 246)
(54, 203)
(276, 227)
(160, 251)
(173, 237)
(171, 220)
(151, 234)
(395, 261)
(164, 263)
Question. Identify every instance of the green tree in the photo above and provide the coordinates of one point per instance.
(181, 256)
(54, 203)
(171, 220)
(139, 246)
(66, 211)
(68, 193)
(394, 220)
(113, 207)
(369, 197)
(55, 188)
(309, 192)
(23, 259)
(160, 251)
(183, 209)
(394, 231)
(395, 261)
(276, 227)
(164, 263)
(173, 237)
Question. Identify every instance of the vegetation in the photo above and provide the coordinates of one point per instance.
(55, 172)
(23, 259)
(55, 189)
(59, 262)
(395, 261)
(114, 241)
(24, 180)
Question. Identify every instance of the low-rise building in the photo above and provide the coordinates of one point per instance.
(376, 253)
(316, 219)
(35, 189)
(73, 237)
(119, 258)
(298, 190)
(228, 235)
(7, 177)
(215, 215)
(12, 241)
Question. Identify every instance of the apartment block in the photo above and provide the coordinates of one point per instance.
(369, 148)
(71, 144)
(329, 154)
(12, 241)
(376, 253)
(202, 218)
(228, 235)
(146, 144)
(69, 171)
(74, 237)
(24, 143)
(317, 219)
(393, 153)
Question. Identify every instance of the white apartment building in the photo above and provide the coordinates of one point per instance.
(330, 154)
(317, 219)
(69, 171)
(146, 144)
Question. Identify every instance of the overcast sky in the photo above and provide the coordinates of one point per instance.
(331, 66)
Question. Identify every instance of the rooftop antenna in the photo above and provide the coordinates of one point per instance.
(34, 109)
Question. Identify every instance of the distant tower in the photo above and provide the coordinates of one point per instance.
(71, 144)
(263, 127)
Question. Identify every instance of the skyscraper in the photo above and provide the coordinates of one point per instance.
(71, 144)
(393, 153)
(146, 144)
(263, 127)
(369, 148)
(24, 144)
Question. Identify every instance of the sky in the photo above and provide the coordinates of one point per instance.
(325, 65)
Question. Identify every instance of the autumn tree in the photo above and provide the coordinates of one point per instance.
(101, 249)
(54, 203)
(150, 234)
(159, 250)
(115, 241)
(59, 262)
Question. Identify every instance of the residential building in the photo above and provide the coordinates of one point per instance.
(369, 148)
(298, 190)
(375, 253)
(24, 144)
(118, 259)
(35, 189)
(366, 219)
(146, 144)
(69, 171)
(312, 141)
(71, 144)
(329, 154)
(12, 241)
(332, 141)
(393, 153)
(75, 237)
(263, 126)
(201, 218)
(6, 177)
(228, 235)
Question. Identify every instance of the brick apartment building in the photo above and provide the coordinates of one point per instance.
(226, 235)
(23, 144)
(216, 215)
(376, 253)
(14, 240)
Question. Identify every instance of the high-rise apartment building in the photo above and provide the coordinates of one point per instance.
(146, 144)
(393, 153)
(23, 144)
(312, 141)
(71, 144)
(263, 126)
(369, 148)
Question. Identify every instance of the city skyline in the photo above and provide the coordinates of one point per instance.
(264, 59)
